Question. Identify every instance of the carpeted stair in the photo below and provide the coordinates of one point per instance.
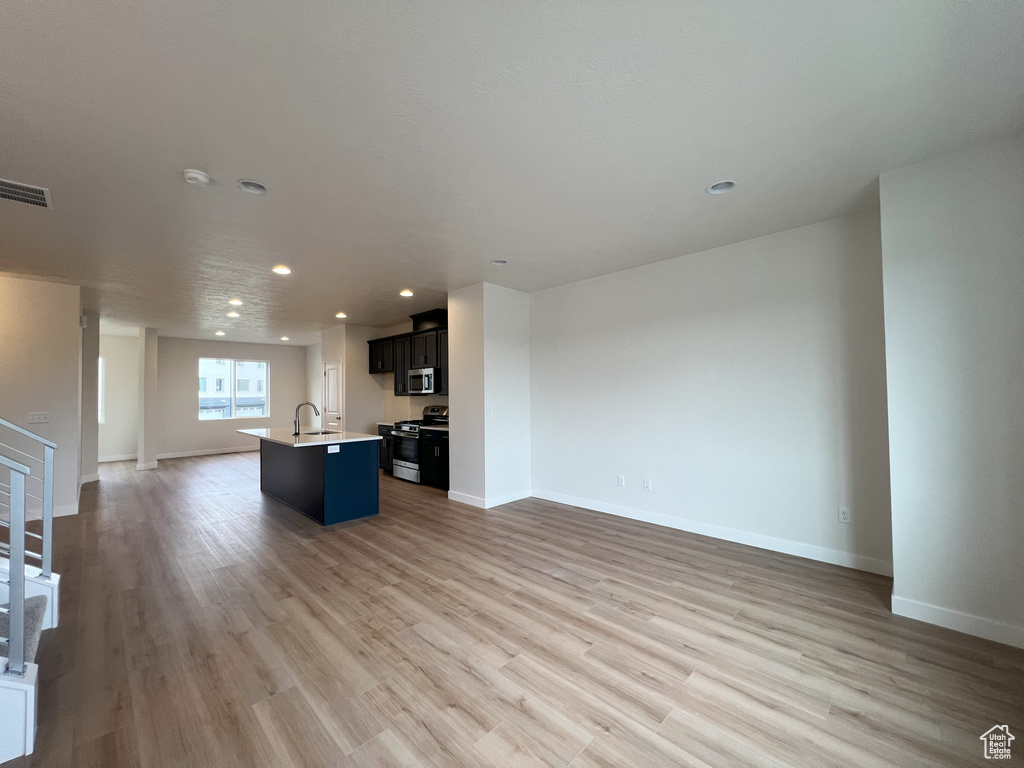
(35, 612)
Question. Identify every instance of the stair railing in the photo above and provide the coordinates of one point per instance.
(16, 573)
(44, 477)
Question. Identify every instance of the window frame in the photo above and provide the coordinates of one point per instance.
(225, 387)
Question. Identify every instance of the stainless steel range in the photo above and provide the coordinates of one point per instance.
(406, 457)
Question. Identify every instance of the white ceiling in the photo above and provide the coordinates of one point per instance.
(408, 144)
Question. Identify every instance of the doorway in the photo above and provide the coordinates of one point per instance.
(332, 396)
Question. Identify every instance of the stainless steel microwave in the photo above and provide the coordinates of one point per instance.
(421, 381)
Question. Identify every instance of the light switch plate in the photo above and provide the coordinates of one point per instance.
(42, 417)
(334, 449)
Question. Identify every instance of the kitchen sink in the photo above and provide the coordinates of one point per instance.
(323, 432)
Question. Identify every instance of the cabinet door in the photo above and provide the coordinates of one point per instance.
(442, 463)
(442, 361)
(401, 346)
(434, 460)
(424, 350)
(382, 356)
(428, 461)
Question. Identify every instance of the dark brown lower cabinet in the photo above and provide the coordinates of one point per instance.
(434, 458)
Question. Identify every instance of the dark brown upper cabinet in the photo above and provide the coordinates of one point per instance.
(424, 350)
(442, 361)
(425, 347)
(382, 356)
(402, 356)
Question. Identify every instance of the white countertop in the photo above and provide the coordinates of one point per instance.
(284, 436)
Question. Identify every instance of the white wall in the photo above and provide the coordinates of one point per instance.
(506, 394)
(181, 431)
(747, 382)
(363, 396)
(40, 371)
(953, 246)
(489, 386)
(118, 435)
(150, 414)
(89, 468)
(466, 394)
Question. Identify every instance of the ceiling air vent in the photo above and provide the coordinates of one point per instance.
(23, 193)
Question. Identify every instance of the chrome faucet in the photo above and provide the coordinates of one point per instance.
(297, 407)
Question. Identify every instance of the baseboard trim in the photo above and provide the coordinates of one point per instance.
(506, 498)
(118, 457)
(150, 465)
(465, 498)
(206, 452)
(785, 546)
(491, 501)
(64, 510)
(89, 479)
(979, 626)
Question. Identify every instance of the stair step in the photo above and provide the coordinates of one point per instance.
(35, 584)
(35, 613)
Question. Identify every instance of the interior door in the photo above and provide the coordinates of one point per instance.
(332, 396)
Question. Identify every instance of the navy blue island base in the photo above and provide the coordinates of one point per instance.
(327, 483)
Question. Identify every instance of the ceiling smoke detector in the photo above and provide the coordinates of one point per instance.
(252, 187)
(198, 178)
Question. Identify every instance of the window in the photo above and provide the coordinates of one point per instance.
(240, 389)
(100, 386)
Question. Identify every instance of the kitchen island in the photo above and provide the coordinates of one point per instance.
(330, 477)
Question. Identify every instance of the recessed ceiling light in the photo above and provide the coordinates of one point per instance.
(192, 176)
(720, 187)
(407, 293)
(499, 262)
(236, 302)
(341, 315)
(284, 338)
(281, 269)
(233, 314)
(252, 187)
(219, 333)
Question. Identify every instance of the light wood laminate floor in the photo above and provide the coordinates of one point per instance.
(206, 625)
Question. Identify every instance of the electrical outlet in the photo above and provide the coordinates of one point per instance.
(621, 480)
(647, 483)
(39, 418)
(844, 514)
